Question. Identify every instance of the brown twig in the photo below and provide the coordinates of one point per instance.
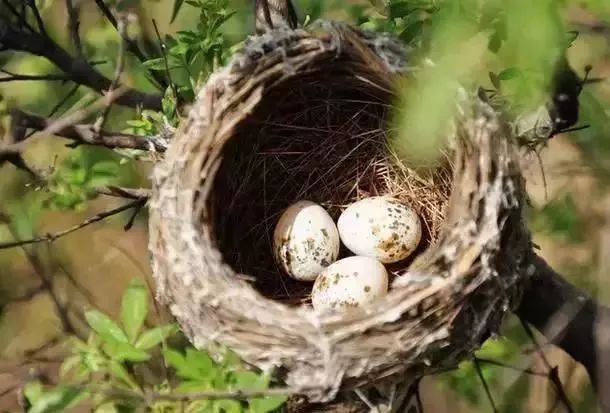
(54, 236)
(83, 133)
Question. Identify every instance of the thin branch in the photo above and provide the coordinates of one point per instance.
(84, 134)
(47, 284)
(572, 320)
(128, 193)
(132, 46)
(54, 236)
(477, 367)
(14, 77)
(73, 26)
(79, 70)
(36, 13)
(21, 16)
(120, 66)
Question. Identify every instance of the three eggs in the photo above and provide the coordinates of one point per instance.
(379, 230)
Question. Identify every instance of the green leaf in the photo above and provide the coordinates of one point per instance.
(227, 406)
(176, 10)
(155, 336)
(266, 404)
(248, 380)
(105, 327)
(120, 372)
(510, 73)
(122, 351)
(134, 308)
(69, 364)
(56, 400)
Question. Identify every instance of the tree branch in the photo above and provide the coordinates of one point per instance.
(85, 133)
(79, 70)
(137, 203)
(131, 45)
(572, 320)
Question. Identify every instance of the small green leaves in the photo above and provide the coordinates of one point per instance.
(134, 309)
(155, 336)
(105, 327)
(56, 400)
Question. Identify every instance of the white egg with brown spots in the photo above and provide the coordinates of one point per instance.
(380, 227)
(348, 283)
(305, 240)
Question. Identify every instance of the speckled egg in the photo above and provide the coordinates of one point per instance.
(349, 282)
(380, 227)
(305, 240)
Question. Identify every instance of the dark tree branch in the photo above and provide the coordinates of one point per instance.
(79, 70)
(74, 26)
(14, 77)
(573, 321)
(131, 45)
(85, 133)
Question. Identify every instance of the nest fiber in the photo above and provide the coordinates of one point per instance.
(303, 115)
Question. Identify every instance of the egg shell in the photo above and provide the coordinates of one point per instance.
(349, 282)
(305, 240)
(380, 227)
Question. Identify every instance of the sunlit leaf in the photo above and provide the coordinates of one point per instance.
(105, 327)
(134, 308)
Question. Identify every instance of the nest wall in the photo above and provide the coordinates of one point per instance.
(304, 115)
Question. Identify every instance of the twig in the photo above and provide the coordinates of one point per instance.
(36, 13)
(129, 193)
(47, 284)
(553, 374)
(73, 26)
(120, 66)
(79, 70)
(54, 236)
(477, 367)
(165, 61)
(508, 366)
(20, 16)
(131, 45)
(13, 77)
(83, 133)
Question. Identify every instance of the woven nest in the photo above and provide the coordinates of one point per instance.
(303, 115)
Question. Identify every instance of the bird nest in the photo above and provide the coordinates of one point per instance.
(304, 115)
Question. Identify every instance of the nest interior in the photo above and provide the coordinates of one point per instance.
(322, 137)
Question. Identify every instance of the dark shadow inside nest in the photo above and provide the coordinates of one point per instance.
(323, 141)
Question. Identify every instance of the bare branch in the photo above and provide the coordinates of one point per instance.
(128, 193)
(96, 218)
(131, 45)
(84, 133)
(73, 25)
(13, 77)
(79, 70)
(120, 66)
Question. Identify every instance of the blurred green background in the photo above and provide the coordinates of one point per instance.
(569, 184)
